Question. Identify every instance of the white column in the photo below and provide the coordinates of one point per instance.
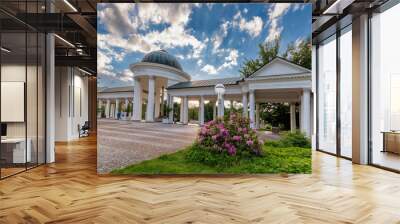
(221, 107)
(181, 111)
(244, 102)
(100, 105)
(257, 116)
(126, 107)
(162, 101)
(157, 103)
(201, 110)
(185, 110)
(360, 89)
(214, 110)
(305, 112)
(137, 101)
(107, 111)
(171, 105)
(292, 117)
(50, 94)
(117, 109)
(252, 108)
(150, 100)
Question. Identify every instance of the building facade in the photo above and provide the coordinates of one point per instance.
(159, 79)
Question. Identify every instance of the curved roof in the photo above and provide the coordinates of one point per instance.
(162, 57)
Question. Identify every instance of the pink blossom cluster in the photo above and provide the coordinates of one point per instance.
(233, 136)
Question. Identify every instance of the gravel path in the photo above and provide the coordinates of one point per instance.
(121, 143)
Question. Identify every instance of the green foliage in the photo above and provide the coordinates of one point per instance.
(275, 160)
(296, 139)
(276, 114)
(267, 52)
(300, 53)
(177, 111)
(208, 112)
(193, 113)
(129, 109)
(167, 109)
(207, 156)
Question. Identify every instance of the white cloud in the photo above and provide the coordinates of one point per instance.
(230, 60)
(175, 36)
(104, 66)
(298, 6)
(200, 62)
(219, 36)
(245, 10)
(275, 12)
(124, 20)
(298, 41)
(117, 20)
(126, 76)
(253, 26)
(169, 13)
(210, 69)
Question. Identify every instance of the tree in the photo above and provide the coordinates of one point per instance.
(300, 53)
(267, 52)
(276, 114)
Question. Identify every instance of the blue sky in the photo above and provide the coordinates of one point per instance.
(209, 40)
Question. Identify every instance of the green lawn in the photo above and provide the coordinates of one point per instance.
(274, 160)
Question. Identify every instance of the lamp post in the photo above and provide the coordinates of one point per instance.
(220, 90)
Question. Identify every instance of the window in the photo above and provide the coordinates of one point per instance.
(327, 95)
(22, 76)
(346, 92)
(385, 89)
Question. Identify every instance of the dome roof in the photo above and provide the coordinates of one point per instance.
(162, 57)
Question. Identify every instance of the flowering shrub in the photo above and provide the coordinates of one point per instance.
(232, 136)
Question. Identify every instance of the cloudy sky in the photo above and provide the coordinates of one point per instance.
(209, 40)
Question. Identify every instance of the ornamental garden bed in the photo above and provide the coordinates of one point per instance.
(231, 147)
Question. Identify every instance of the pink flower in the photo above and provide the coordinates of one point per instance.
(249, 142)
(232, 150)
(214, 137)
(224, 132)
(237, 138)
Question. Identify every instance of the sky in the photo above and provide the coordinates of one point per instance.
(209, 40)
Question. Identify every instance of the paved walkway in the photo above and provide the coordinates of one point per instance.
(121, 143)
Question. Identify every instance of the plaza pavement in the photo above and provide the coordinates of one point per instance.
(121, 143)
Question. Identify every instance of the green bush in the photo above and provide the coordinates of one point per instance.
(207, 156)
(295, 139)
